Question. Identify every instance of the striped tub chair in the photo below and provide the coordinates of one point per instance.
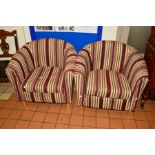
(111, 75)
(42, 71)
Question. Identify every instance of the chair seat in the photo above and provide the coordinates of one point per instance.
(44, 79)
(107, 83)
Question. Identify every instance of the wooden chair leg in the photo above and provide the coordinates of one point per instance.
(79, 103)
(68, 105)
(142, 104)
(24, 104)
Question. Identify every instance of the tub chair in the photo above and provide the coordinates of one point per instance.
(42, 71)
(111, 75)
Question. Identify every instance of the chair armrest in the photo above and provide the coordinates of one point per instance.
(69, 66)
(137, 75)
(17, 70)
(83, 66)
(69, 60)
(18, 67)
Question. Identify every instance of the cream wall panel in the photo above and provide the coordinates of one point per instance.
(26, 31)
(123, 33)
(109, 32)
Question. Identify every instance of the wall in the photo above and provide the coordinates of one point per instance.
(78, 37)
(138, 37)
(108, 33)
(118, 33)
(123, 33)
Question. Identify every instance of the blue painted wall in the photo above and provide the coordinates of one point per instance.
(79, 40)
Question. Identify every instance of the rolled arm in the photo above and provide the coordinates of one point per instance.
(83, 64)
(82, 68)
(17, 70)
(69, 66)
(69, 60)
(137, 75)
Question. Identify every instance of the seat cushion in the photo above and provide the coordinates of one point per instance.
(107, 83)
(44, 79)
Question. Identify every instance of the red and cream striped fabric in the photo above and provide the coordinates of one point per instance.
(108, 103)
(112, 59)
(44, 79)
(105, 83)
(135, 70)
(44, 97)
(50, 52)
(39, 59)
(99, 61)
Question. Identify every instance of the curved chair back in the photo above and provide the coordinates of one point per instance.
(108, 55)
(49, 52)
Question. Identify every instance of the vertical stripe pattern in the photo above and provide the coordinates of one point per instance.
(42, 71)
(110, 74)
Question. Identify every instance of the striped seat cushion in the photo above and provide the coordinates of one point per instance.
(44, 79)
(105, 83)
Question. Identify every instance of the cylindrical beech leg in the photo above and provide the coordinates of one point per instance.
(68, 105)
(24, 104)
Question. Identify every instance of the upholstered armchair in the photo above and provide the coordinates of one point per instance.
(111, 75)
(42, 71)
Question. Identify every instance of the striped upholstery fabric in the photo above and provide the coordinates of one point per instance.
(44, 97)
(107, 83)
(108, 103)
(30, 68)
(110, 74)
(112, 59)
(49, 52)
(44, 79)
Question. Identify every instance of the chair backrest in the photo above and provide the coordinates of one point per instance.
(109, 55)
(49, 51)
